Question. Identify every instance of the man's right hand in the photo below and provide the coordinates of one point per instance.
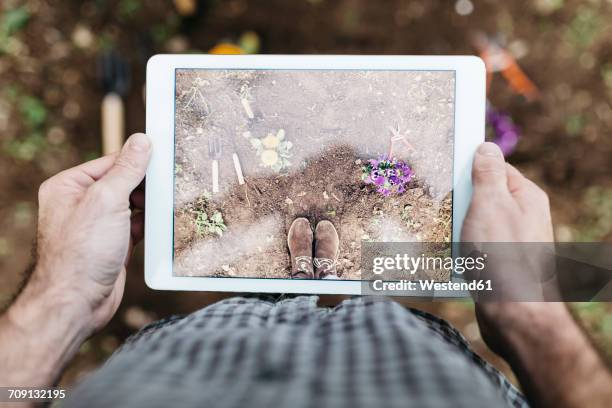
(554, 360)
(506, 208)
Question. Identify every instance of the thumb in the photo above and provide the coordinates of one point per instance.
(130, 166)
(489, 168)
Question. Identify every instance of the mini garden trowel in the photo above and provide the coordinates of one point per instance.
(236, 160)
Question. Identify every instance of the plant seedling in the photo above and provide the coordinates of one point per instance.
(213, 225)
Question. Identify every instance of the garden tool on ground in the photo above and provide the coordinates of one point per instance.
(498, 59)
(236, 159)
(214, 152)
(114, 73)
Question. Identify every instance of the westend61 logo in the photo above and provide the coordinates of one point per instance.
(412, 265)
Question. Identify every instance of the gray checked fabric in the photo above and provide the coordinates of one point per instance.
(251, 352)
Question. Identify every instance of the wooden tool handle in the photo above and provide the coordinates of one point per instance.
(215, 176)
(113, 123)
(238, 169)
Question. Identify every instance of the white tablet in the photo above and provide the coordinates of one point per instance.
(380, 146)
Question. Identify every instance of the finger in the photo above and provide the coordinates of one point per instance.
(526, 193)
(97, 168)
(516, 180)
(137, 199)
(137, 227)
(489, 169)
(129, 168)
(87, 173)
(518, 185)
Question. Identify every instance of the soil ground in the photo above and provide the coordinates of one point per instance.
(334, 122)
(50, 97)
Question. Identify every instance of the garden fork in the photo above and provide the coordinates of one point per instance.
(214, 152)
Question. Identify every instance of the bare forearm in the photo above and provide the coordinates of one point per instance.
(85, 230)
(38, 335)
(554, 360)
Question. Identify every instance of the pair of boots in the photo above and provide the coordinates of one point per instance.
(326, 245)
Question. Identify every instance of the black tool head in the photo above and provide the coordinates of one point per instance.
(114, 72)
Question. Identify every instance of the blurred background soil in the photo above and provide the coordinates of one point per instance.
(50, 107)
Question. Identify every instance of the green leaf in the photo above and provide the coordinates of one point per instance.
(584, 28)
(574, 124)
(128, 8)
(14, 20)
(217, 217)
(33, 111)
(160, 33)
(26, 149)
(12, 92)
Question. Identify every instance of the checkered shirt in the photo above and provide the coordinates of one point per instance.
(253, 352)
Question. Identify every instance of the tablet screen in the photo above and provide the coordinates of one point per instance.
(369, 151)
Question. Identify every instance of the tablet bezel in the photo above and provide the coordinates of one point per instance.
(469, 132)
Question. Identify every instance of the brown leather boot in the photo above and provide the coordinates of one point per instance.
(299, 241)
(327, 244)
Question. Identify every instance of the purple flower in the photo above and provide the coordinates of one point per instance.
(505, 133)
(389, 175)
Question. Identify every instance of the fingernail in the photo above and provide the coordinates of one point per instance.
(139, 142)
(489, 149)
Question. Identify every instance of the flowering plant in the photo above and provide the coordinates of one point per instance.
(506, 133)
(273, 150)
(389, 175)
